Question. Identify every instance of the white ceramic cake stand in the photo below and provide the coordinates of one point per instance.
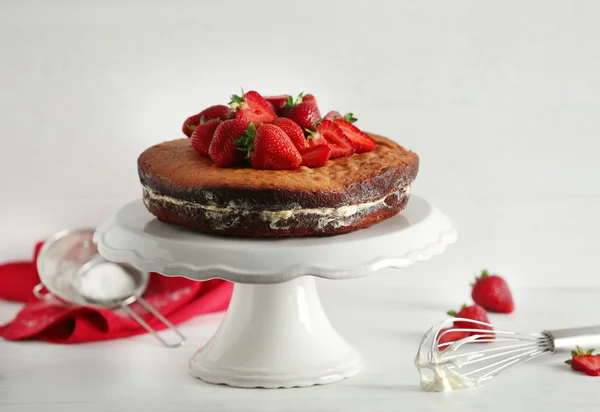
(275, 333)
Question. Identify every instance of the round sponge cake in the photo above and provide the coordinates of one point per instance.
(184, 188)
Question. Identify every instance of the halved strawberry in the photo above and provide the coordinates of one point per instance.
(252, 108)
(585, 361)
(361, 141)
(203, 134)
(341, 146)
(212, 112)
(334, 114)
(316, 156)
(278, 102)
(222, 150)
(293, 131)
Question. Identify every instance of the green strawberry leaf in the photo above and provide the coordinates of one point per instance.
(349, 117)
(452, 313)
(590, 351)
(574, 353)
(246, 143)
(191, 128)
(237, 101)
(568, 362)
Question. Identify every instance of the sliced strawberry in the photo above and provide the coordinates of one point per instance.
(316, 156)
(222, 150)
(585, 361)
(332, 115)
(341, 146)
(212, 112)
(203, 134)
(293, 131)
(252, 108)
(305, 114)
(361, 141)
(279, 102)
(449, 336)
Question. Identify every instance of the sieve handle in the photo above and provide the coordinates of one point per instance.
(157, 314)
(566, 339)
(38, 292)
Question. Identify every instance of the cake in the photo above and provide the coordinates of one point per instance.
(275, 180)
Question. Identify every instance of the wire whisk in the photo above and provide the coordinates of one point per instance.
(487, 351)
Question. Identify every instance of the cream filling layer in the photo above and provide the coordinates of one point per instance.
(275, 216)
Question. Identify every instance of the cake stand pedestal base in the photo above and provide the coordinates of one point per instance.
(276, 336)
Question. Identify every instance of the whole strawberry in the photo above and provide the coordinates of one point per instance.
(449, 336)
(492, 292)
(222, 150)
(268, 147)
(293, 131)
(251, 107)
(473, 312)
(304, 112)
(213, 112)
(585, 361)
(203, 134)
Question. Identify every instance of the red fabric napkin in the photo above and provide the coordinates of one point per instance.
(178, 299)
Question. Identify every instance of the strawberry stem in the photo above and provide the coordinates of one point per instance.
(349, 117)
(237, 101)
(245, 143)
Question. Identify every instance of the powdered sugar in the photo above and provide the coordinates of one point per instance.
(105, 282)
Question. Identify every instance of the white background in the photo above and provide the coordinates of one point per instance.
(501, 100)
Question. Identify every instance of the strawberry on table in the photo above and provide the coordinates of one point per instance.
(361, 141)
(449, 336)
(203, 134)
(492, 292)
(213, 112)
(268, 147)
(251, 107)
(222, 149)
(341, 146)
(585, 361)
(293, 131)
(316, 156)
(473, 312)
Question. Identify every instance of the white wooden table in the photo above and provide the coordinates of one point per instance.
(380, 315)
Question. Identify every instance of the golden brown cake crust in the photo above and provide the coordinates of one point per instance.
(174, 168)
(185, 188)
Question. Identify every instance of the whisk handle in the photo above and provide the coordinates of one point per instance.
(566, 339)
